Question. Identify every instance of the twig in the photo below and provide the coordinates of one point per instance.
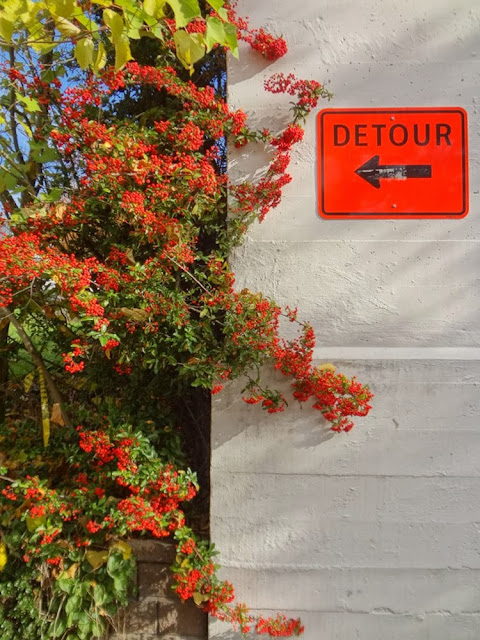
(189, 274)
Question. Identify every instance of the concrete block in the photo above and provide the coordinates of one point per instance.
(154, 581)
(153, 551)
(181, 619)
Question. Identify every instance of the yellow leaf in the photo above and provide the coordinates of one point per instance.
(71, 571)
(34, 523)
(6, 28)
(123, 547)
(100, 59)
(96, 558)
(114, 22)
(66, 28)
(64, 8)
(328, 366)
(190, 48)
(3, 555)
(122, 52)
(28, 381)
(57, 416)
(44, 407)
(198, 598)
(154, 8)
(84, 52)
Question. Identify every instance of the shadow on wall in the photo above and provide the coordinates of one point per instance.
(389, 508)
(233, 416)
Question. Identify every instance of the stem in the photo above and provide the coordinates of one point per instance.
(3, 369)
(55, 394)
(189, 274)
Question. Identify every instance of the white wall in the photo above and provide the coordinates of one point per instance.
(374, 535)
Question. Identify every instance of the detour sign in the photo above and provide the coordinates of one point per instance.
(392, 163)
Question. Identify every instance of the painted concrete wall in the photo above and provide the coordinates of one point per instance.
(373, 535)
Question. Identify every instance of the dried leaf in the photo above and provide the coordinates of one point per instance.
(57, 415)
(137, 315)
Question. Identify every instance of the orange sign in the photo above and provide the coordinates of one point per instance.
(392, 163)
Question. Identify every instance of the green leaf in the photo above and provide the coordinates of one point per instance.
(122, 52)
(133, 33)
(120, 586)
(115, 564)
(98, 628)
(216, 4)
(65, 584)
(100, 594)
(100, 59)
(231, 38)
(73, 604)
(190, 48)
(215, 33)
(58, 627)
(54, 195)
(31, 105)
(7, 181)
(86, 22)
(185, 11)
(84, 52)
(114, 22)
(47, 155)
(84, 624)
(6, 28)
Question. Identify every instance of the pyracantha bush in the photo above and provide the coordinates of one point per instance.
(116, 287)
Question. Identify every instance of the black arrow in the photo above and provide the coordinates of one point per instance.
(371, 171)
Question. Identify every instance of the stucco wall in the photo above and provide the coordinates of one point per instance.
(374, 534)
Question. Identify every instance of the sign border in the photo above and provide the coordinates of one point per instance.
(365, 215)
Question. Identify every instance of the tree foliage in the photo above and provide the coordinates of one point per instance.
(117, 300)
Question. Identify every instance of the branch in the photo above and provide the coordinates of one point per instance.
(55, 394)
